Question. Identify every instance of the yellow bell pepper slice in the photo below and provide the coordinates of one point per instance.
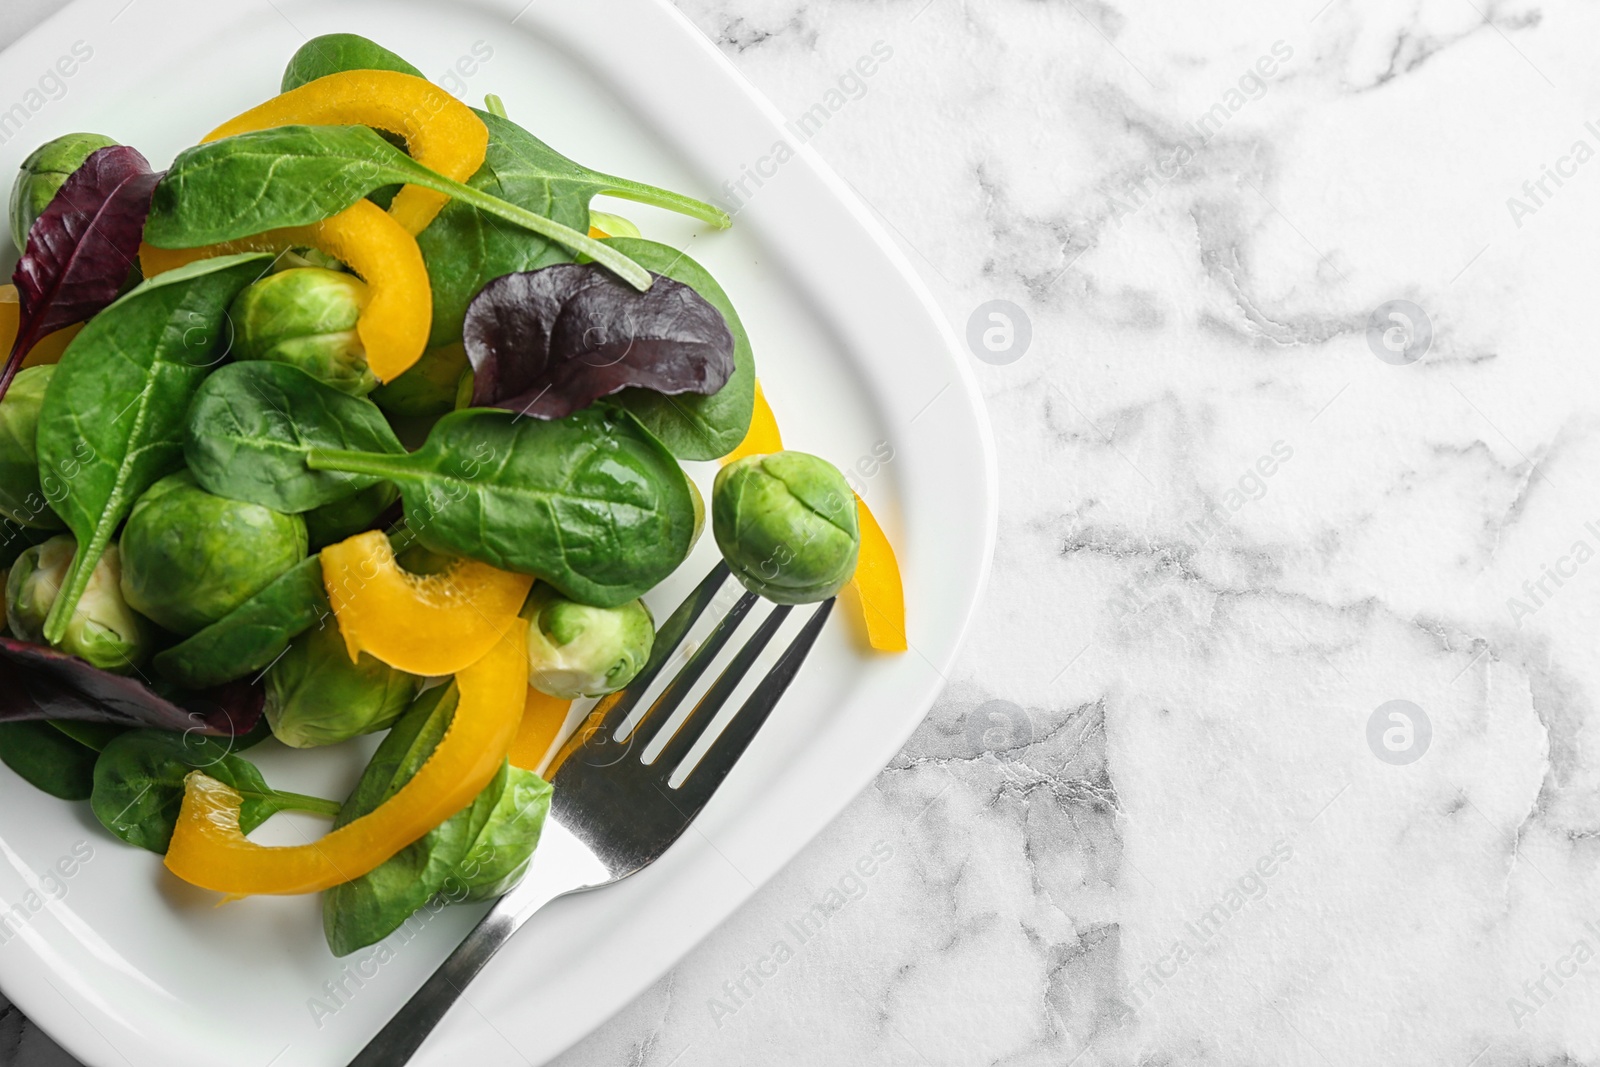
(209, 850)
(762, 438)
(394, 325)
(543, 717)
(440, 131)
(430, 625)
(49, 348)
(877, 582)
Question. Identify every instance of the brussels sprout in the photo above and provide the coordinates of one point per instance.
(332, 523)
(189, 558)
(316, 696)
(43, 174)
(306, 317)
(22, 499)
(699, 511)
(428, 388)
(578, 651)
(103, 630)
(294, 258)
(786, 524)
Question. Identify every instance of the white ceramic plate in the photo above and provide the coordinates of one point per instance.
(125, 965)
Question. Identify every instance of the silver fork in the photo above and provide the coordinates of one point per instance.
(611, 814)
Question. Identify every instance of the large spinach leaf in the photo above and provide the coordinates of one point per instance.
(253, 424)
(138, 785)
(250, 637)
(334, 52)
(114, 413)
(47, 759)
(592, 503)
(477, 853)
(295, 175)
(466, 248)
(695, 427)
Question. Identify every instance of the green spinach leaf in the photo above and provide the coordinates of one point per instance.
(253, 635)
(296, 175)
(591, 503)
(113, 416)
(466, 248)
(253, 424)
(47, 759)
(692, 426)
(332, 53)
(477, 853)
(138, 785)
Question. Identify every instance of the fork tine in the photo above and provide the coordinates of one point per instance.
(725, 751)
(660, 712)
(613, 710)
(690, 730)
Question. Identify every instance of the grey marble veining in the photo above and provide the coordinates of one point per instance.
(1274, 743)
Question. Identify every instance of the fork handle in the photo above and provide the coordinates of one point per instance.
(399, 1040)
(561, 865)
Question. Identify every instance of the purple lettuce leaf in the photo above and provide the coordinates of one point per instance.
(37, 682)
(80, 250)
(548, 342)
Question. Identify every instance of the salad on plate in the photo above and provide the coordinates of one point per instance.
(359, 419)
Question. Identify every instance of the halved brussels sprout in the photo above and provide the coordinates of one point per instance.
(189, 558)
(43, 174)
(577, 651)
(103, 630)
(316, 696)
(786, 523)
(306, 317)
(332, 523)
(431, 387)
(22, 497)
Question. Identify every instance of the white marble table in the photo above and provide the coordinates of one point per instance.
(1274, 744)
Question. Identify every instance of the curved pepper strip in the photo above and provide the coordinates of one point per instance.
(877, 582)
(429, 625)
(877, 579)
(543, 716)
(49, 348)
(209, 850)
(394, 325)
(440, 131)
